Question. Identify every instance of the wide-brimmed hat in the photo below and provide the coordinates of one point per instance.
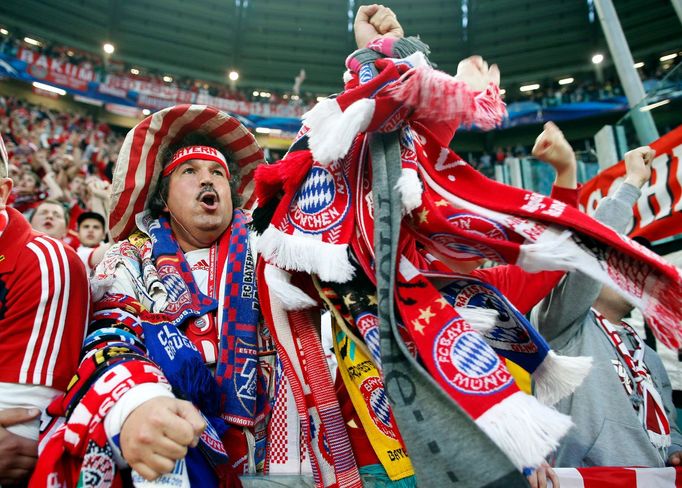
(139, 163)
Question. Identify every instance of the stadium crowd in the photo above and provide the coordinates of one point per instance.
(127, 261)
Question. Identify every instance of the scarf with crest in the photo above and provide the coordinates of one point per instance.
(450, 210)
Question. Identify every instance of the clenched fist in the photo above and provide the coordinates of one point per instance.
(157, 434)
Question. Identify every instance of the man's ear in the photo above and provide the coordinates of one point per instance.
(5, 191)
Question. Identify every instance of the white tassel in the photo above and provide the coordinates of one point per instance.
(525, 429)
(482, 320)
(558, 376)
(558, 253)
(292, 297)
(332, 131)
(290, 252)
(410, 189)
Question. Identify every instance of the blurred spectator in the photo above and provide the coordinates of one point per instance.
(91, 234)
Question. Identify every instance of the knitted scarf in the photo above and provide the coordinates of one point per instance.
(303, 363)
(74, 449)
(462, 214)
(510, 334)
(353, 308)
(651, 411)
(238, 393)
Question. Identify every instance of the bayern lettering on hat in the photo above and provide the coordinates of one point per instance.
(196, 152)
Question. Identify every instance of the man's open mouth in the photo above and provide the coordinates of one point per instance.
(209, 199)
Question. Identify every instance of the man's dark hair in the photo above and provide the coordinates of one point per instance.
(91, 216)
(157, 202)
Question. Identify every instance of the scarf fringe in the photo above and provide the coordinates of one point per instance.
(558, 376)
(296, 253)
(292, 297)
(410, 189)
(436, 95)
(555, 254)
(525, 429)
(482, 320)
(490, 109)
(332, 130)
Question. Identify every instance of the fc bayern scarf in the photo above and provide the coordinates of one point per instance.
(354, 314)
(74, 447)
(447, 447)
(303, 361)
(242, 399)
(473, 374)
(651, 411)
(512, 336)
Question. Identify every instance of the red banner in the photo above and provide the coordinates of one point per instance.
(252, 108)
(151, 88)
(619, 477)
(657, 212)
(56, 71)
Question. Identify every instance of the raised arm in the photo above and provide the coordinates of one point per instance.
(564, 309)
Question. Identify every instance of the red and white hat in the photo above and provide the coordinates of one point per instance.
(4, 158)
(140, 164)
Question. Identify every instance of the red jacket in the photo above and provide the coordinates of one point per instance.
(44, 306)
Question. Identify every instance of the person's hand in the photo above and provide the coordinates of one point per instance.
(18, 455)
(476, 73)
(638, 165)
(675, 459)
(157, 434)
(374, 21)
(552, 147)
(540, 476)
(99, 188)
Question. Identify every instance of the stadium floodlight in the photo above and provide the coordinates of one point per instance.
(4, 32)
(134, 71)
(31, 41)
(168, 79)
(527, 88)
(638, 65)
(255, 93)
(597, 58)
(108, 48)
(667, 57)
(49, 88)
(566, 81)
(233, 75)
(652, 106)
(146, 111)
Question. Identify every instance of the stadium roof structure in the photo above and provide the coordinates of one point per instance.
(269, 41)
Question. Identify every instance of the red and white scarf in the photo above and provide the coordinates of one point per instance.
(303, 361)
(651, 411)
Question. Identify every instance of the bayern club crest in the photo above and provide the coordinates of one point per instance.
(379, 410)
(466, 362)
(462, 248)
(508, 334)
(323, 200)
